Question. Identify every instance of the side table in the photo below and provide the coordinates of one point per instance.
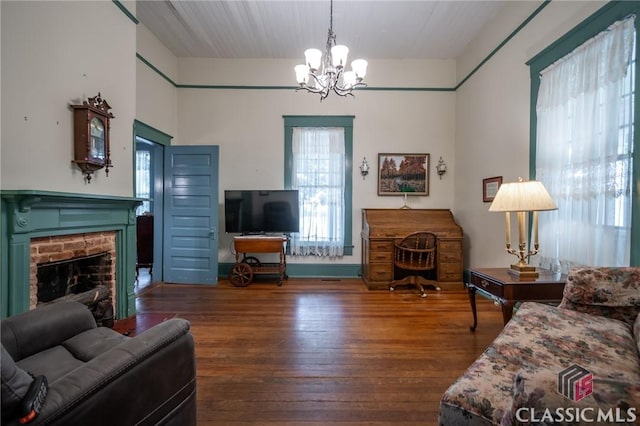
(506, 289)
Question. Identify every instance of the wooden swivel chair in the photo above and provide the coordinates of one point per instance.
(415, 253)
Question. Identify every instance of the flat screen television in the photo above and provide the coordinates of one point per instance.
(261, 211)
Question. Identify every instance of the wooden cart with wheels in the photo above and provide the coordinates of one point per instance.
(246, 267)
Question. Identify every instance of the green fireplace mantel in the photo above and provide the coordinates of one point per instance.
(27, 214)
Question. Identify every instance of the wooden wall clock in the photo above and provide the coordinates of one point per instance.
(91, 136)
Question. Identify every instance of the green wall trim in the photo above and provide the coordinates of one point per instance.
(505, 41)
(126, 11)
(318, 120)
(370, 88)
(308, 270)
(151, 133)
(240, 87)
(29, 214)
(590, 27)
(233, 87)
(160, 73)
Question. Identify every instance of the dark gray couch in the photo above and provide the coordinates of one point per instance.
(97, 376)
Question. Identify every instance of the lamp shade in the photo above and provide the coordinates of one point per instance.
(302, 74)
(339, 55)
(313, 58)
(349, 78)
(359, 66)
(522, 197)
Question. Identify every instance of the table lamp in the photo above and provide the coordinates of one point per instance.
(522, 197)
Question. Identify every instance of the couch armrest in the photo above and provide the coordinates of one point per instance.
(612, 292)
(33, 331)
(143, 380)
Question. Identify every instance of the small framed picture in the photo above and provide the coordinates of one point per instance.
(490, 188)
(403, 174)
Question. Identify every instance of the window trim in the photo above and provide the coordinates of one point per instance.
(590, 27)
(345, 121)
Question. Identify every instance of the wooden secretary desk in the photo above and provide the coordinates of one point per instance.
(381, 227)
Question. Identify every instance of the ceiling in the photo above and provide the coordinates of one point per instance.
(372, 29)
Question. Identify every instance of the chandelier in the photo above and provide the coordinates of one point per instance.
(323, 74)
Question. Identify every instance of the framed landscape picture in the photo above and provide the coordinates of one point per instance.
(400, 174)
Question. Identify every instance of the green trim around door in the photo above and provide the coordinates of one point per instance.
(590, 27)
(150, 133)
(345, 121)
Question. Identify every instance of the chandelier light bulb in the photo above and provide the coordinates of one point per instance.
(302, 74)
(339, 55)
(313, 58)
(349, 79)
(359, 66)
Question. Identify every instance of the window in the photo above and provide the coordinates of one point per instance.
(143, 178)
(584, 148)
(318, 159)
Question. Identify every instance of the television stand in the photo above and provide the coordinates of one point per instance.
(243, 271)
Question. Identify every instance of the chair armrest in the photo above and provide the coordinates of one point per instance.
(612, 292)
(140, 381)
(33, 331)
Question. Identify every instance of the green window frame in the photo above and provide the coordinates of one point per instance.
(344, 121)
(590, 27)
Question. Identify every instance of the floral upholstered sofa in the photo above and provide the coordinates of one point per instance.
(577, 363)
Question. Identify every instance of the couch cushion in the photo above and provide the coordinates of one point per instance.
(15, 384)
(52, 363)
(539, 337)
(636, 332)
(91, 343)
(613, 292)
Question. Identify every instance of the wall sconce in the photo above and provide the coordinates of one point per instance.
(364, 168)
(441, 167)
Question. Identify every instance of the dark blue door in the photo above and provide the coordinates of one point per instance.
(191, 215)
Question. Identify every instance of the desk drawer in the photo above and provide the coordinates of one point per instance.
(451, 272)
(381, 256)
(380, 272)
(381, 245)
(487, 285)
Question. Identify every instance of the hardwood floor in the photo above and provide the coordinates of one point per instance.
(316, 352)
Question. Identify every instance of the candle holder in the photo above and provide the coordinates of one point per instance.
(522, 197)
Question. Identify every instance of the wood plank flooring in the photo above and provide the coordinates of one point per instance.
(315, 352)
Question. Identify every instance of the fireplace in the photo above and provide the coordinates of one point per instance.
(77, 267)
(56, 280)
(42, 228)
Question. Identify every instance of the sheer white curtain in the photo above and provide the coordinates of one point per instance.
(584, 152)
(143, 180)
(318, 175)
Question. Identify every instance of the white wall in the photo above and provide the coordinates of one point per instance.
(249, 128)
(492, 118)
(156, 98)
(55, 53)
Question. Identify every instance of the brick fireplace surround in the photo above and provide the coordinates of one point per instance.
(67, 247)
(30, 218)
